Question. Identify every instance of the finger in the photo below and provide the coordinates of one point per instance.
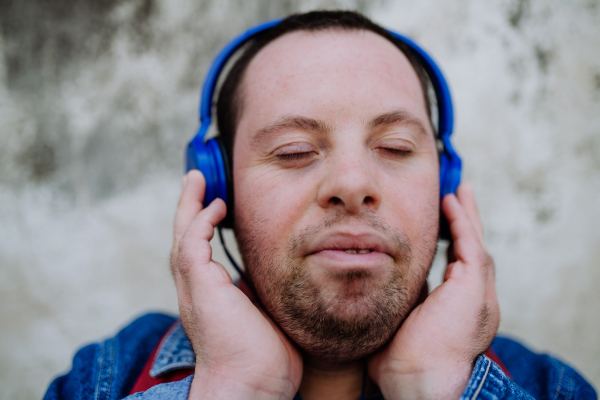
(466, 197)
(191, 261)
(190, 203)
(201, 230)
(466, 243)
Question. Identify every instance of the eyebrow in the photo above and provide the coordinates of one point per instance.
(291, 122)
(394, 117)
(307, 124)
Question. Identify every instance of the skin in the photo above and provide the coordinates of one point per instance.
(346, 166)
(333, 151)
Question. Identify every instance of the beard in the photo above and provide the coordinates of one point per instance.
(355, 319)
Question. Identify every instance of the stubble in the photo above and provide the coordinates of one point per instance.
(365, 311)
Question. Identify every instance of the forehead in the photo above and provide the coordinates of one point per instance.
(329, 75)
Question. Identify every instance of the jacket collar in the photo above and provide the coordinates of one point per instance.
(174, 352)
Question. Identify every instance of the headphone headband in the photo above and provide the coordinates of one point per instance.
(206, 156)
(212, 76)
(444, 100)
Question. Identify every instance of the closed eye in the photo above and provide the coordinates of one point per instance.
(295, 156)
(392, 152)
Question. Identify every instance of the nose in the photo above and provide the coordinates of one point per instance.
(350, 183)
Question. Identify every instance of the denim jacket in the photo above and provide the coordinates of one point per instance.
(109, 369)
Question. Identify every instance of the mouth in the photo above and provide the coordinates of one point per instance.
(350, 243)
(342, 251)
(358, 251)
(346, 260)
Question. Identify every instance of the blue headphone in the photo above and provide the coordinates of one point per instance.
(210, 157)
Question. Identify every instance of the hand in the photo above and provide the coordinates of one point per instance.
(433, 353)
(240, 352)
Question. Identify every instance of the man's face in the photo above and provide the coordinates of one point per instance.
(336, 188)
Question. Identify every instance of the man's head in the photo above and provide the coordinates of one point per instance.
(336, 185)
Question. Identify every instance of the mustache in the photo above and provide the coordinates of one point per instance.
(299, 242)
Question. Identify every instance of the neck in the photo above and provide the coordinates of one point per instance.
(336, 382)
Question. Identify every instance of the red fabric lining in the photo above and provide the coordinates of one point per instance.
(145, 381)
(491, 354)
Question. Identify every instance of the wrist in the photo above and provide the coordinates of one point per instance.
(439, 382)
(218, 384)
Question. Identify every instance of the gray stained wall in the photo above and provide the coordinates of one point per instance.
(98, 98)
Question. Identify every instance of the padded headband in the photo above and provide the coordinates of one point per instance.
(208, 156)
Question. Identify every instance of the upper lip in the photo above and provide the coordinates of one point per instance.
(347, 241)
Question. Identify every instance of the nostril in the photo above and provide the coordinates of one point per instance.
(369, 200)
(335, 201)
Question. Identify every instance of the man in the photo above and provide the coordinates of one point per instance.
(336, 213)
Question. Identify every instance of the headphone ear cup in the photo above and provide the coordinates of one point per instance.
(198, 157)
(444, 232)
(444, 162)
(210, 159)
(450, 169)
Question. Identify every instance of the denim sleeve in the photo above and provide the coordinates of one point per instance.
(173, 391)
(80, 382)
(542, 375)
(489, 382)
(108, 370)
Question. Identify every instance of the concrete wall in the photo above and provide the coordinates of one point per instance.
(98, 98)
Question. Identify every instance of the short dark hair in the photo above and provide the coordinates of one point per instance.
(229, 101)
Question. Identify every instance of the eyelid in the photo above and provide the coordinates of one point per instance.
(397, 144)
(298, 147)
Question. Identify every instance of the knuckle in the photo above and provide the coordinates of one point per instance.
(199, 223)
(182, 261)
(184, 265)
(484, 258)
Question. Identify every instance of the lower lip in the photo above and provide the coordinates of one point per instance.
(344, 260)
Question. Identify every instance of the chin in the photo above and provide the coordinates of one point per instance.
(334, 315)
(345, 323)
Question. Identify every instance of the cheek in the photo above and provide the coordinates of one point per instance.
(414, 201)
(272, 204)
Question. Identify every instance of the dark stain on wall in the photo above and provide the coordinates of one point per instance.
(515, 98)
(42, 156)
(40, 159)
(140, 29)
(544, 214)
(588, 150)
(543, 56)
(518, 11)
(131, 131)
(46, 44)
(533, 186)
(42, 38)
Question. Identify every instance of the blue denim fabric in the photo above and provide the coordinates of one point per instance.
(176, 352)
(489, 382)
(543, 376)
(108, 370)
(173, 390)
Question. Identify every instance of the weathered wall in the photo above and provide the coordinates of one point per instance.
(98, 98)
